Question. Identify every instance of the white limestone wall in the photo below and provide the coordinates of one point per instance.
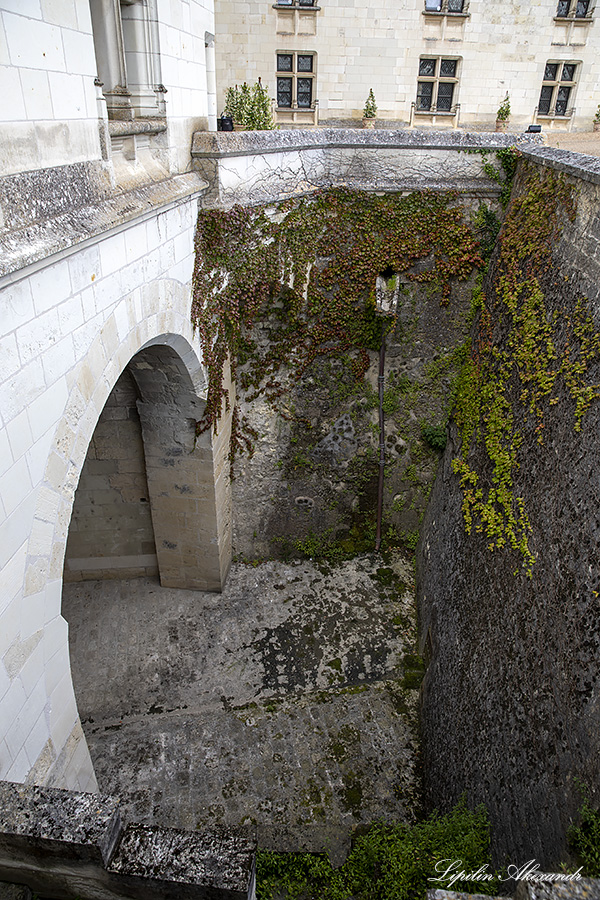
(503, 45)
(183, 31)
(47, 70)
(67, 331)
(50, 108)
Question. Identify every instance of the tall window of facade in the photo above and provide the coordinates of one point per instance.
(445, 6)
(558, 89)
(295, 80)
(578, 9)
(437, 85)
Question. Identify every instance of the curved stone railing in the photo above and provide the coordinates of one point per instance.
(258, 166)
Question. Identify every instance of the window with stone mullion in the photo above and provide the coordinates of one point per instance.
(578, 9)
(445, 6)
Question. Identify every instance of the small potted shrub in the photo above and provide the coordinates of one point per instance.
(596, 123)
(370, 111)
(503, 115)
(249, 107)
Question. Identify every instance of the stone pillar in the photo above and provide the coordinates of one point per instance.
(188, 477)
(138, 58)
(110, 57)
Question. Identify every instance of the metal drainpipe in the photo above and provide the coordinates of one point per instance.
(380, 380)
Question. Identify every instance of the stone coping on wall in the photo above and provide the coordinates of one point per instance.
(70, 844)
(583, 889)
(62, 209)
(243, 143)
(580, 165)
(255, 167)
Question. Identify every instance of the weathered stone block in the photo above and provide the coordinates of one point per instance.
(54, 824)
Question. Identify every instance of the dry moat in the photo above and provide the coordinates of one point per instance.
(288, 701)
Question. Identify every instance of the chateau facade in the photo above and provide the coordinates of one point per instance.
(431, 63)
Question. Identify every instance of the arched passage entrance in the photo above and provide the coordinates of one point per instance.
(150, 498)
(149, 333)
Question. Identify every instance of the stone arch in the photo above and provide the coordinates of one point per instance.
(179, 478)
(153, 321)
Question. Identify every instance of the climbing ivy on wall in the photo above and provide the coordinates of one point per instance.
(525, 348)
(310, 265)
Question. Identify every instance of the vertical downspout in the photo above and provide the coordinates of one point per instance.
(380, 381)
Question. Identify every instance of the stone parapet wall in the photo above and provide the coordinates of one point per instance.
(67, 208)
(262, 166)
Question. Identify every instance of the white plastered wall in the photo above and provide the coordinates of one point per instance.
(49, 110)
(182, 30)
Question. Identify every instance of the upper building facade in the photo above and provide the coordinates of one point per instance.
(431, 63)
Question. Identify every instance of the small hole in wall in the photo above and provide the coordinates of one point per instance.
(388, 272)
(306, 502)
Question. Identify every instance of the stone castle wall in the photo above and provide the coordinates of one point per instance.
(510, 711)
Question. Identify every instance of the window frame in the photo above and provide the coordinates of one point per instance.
(306, 5)
(435, 81)
(295, 75)
(555, 86)
(571, 14)
(444, 11)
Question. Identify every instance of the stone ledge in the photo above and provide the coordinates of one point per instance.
(582, 166)
(118, 128)
(91, 221)
(72, 825)
(584, 889)
(217, 145)
(187, 857)
(70, 844)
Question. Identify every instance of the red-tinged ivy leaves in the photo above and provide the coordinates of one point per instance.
(309, 267)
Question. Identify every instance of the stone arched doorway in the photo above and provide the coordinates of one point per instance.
(150, 499)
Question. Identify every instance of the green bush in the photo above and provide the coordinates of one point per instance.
(390, 862)
(584, 838)
(249, 106)
(503, 113)
(434, 436)
(370, 110)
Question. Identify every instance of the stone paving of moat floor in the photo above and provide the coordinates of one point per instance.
(279, 702)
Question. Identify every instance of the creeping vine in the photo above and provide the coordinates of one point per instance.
(309, 266)
(521, 355)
